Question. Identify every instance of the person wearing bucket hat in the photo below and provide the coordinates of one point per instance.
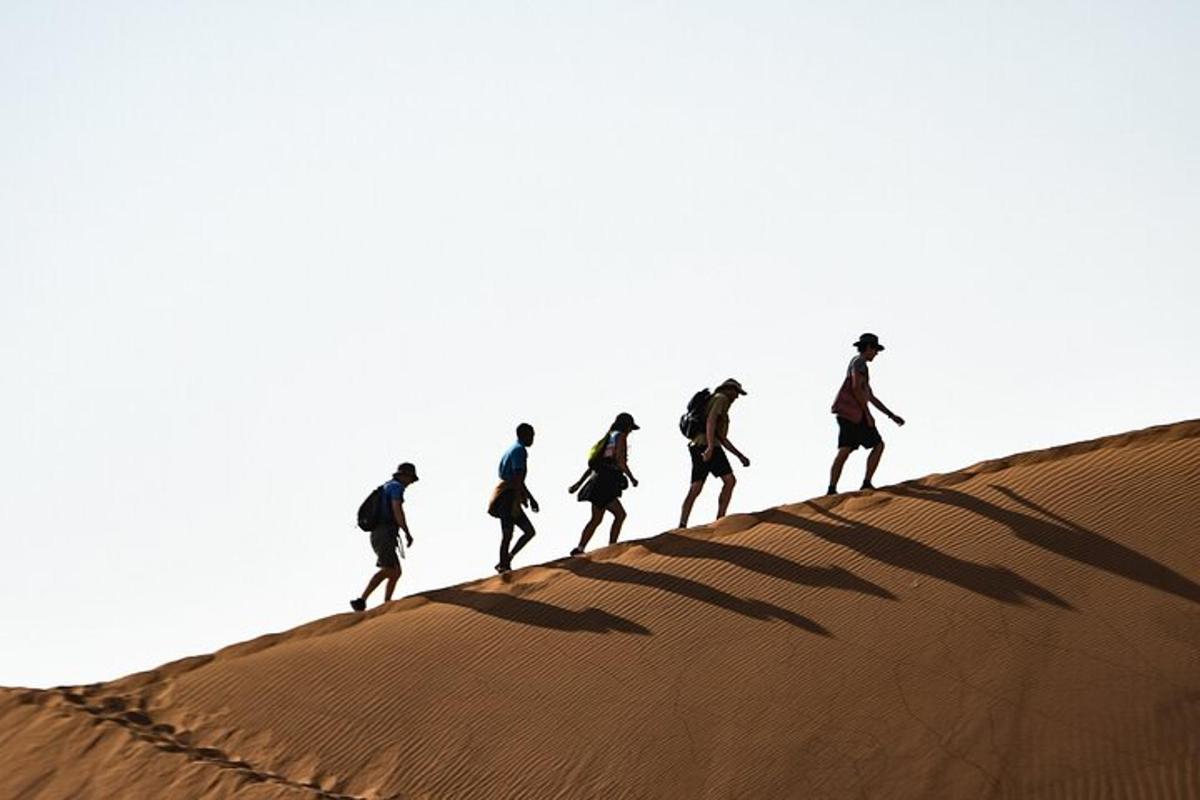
(385, 533)
(856, 424)
(707, 447)
(607, 475)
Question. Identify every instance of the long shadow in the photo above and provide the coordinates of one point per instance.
(533, 612)
(677, 546)
(998, 583)
(685, 587)
(1059, 535)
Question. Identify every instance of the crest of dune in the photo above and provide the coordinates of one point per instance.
(1026, 627)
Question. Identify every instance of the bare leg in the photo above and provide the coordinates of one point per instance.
(689, 501)
(618, 512)
(506, 532)
(590, 527)
(728, 482)
(376, 579)
(528, 533)
(392, 575)
(873, 462)
(835, 472)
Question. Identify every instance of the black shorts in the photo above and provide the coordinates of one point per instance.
(718, 466)
(605, 485)
(857, 434)
(385, 542)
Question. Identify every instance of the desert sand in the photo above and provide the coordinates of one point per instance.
(1026, 627)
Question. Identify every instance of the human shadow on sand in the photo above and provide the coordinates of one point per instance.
(998, 583)
(685, 587)
(534, 612)
(678, 546)
(1052, 532)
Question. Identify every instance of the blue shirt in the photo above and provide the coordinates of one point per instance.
(513, 461)
(392, 490)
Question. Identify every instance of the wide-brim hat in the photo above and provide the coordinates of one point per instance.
(732, 385)
(407, 468)
(869, 340)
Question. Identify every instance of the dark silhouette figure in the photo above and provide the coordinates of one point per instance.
(856, 423)
(678, 546)
(607, 476)
(685, 587)
(707, 451)
(534, 612)
(385, 537)
(512, 496)
(1051, 532)
(995, 582)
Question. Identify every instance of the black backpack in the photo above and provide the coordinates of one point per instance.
(371, 513)
(692, 423)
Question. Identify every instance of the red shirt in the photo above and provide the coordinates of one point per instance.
(845, 405)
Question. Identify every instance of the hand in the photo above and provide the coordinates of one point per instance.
(533, 505)
(745, 461)
(633, 481)
(573, 488)
(898, 420)
(708, 454)
(410, 541)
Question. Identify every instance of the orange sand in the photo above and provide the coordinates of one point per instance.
(1025, 627)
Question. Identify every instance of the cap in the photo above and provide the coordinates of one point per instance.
(625, 422)
(732, 384)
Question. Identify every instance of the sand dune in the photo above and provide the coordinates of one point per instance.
(1027, 627)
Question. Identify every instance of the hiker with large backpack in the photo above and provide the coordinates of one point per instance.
(382, 514)
(706, 426)
(608, 475)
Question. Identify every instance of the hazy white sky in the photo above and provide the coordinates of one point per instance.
(254, 254)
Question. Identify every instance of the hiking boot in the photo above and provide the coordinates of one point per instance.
(867, 486)
(358, 604)
(832, 491)
(503, 568)
(578, 551)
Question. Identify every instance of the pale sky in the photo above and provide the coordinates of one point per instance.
(255, 254)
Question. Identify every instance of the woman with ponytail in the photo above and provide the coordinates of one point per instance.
(607, 476)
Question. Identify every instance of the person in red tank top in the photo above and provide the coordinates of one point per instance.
(856, 424)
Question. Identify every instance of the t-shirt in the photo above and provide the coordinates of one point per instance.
(844, 404)
(720, 403)
(392, 490)
(513, 461)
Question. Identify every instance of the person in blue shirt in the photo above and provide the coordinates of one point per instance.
(385, 537)
(512, 496)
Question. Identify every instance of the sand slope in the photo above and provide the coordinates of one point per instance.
(1025, 627)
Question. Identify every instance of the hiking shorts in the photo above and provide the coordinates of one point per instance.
(857, 434)
(385, 542)
(718, 466)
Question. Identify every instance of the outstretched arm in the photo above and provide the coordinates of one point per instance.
(728, 445)
(875, 401)
(574, 487)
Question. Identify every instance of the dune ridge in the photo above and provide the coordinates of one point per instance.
(1025, 627)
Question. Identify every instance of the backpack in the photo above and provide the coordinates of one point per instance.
(597, 452)
(371, 513)
(692, 423)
